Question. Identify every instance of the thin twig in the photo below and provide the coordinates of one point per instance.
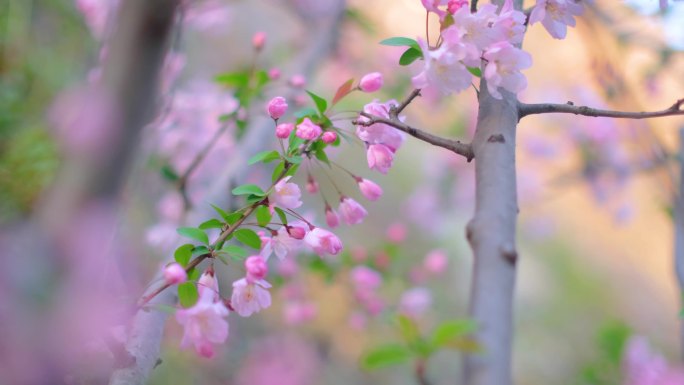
(571, 108)
(455, 146)
(414, 94)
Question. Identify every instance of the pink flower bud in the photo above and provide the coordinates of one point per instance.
(274, 73)
(351, 211)
(369, 189)
(396, 232)
(331, 218)
(308, 130)
(298, 81)
(175, 273)
(323, 242)
(329, 137)
(283, 130)
(259, 40)
(371, 82)
(436, 262)
(277, 107)
(380, 157)
(311, 185)
(256, 268)
(455, 5)
(296, 232)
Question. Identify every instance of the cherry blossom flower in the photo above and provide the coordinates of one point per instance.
(250, 297)
(277, 107)
(380, 158)
(365, 278)
(259, 40)
(371, 82)
(204, 324)
(443, 69)
(369, 189)
(331, 218)
(504, 62)
(329, 137)
(432, 6)
(283, 243)
(396, 232)
(298, 312)
(556, 15)
(311, 185)
(256, 268)
(415, 302)
(351, 212)
(642, 366)
(174, 273)
(308, 130)
(285, 194)
(323, 242)
(298, 81)
(436, 262)
(379, 133)
(283, 130)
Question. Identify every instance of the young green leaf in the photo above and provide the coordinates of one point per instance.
(183, 254)
(475, 71)
(321, 104)
(212, 223)
(235, 252)
(263, 215)
(248, 237)
(401, 42)
(277, 171)
(384, 356)
(187, 294)
(221, 212)
(264, 156)
(449, 331)
(169, 173)
(248, 189)
(322, 156)
(407, 328)
(409, 56)
(200, 250)
(281, 215)
(193, 233)
(233, 79)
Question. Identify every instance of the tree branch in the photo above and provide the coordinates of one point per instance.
(571, 108)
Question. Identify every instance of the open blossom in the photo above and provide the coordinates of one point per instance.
(283, 242)
(371, 82)
(556, 15)
(208, 284)
(432, 6)
(504, 62)
(250, 297)
(511, 23)
(323, 242)
(379, 133)
(351, 211)
(414, 302)
(369, 189)
(308, 130)
(204, 324)
(277, 107)
(175, 273)
(285, 194)
(380, 158)
(443, 69)
(455, 5)
(256, 268)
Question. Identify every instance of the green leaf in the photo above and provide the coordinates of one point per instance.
(248, 189)
(234, 217)
(281, 215)
(235, 252)
(305, 112)
(295, 159)
(183, 254)
(248, 237)
(322, 156)
(321, 103)
(343, 91)
(193, 274)
(200, 250)
(233, 79)
(221, 212)
(263, 215)
(262, 79)
(169, 173)
(264, 156)
(475, 71)
(451, 330)
(409, 56)
(277, 171)
(385, 355)
(187, 294)
(408, 328)
(401, 42)
(212, 223)
(193, 233)
(162, 308)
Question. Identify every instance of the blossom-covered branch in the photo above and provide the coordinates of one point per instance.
(570, 108)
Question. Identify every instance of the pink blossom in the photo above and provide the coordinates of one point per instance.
(396, 232)
(298, 81)
(443, 69)
(282, 243)
(256, 268)
(455, 5)
(365, 278)
(380, 158)
(259, 40)
(331, 218)
(415, 302)
(308, 130)
(204, 324)
(556, 15)
(288, 267)
(249, 297)
(642, 366)
(511, 23)
(323, 242)
(283, 130)
(432, 6)
(208, 15)
(371, 82)
(296, 232)
(311, 185)
(174, 273)
(298, 312)
(208, 283)
(504, 62)
(474, 31)
(274, 73)
(277, 107)
(285, 194)
(329, 137)
(379, 133)
(436, 262)
(369, 189)
(351, 212)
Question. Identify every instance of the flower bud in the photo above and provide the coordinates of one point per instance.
(256, 268)
(283, 130)
(371, 82)
(277, 107)
(311, 185)
(296, 232)
(274, 73)
(331, 218)
(298, 81)
(175, 273)
(329, 137)
(369, 189)
(259, 40)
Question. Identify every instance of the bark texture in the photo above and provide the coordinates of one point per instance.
(679, 234)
